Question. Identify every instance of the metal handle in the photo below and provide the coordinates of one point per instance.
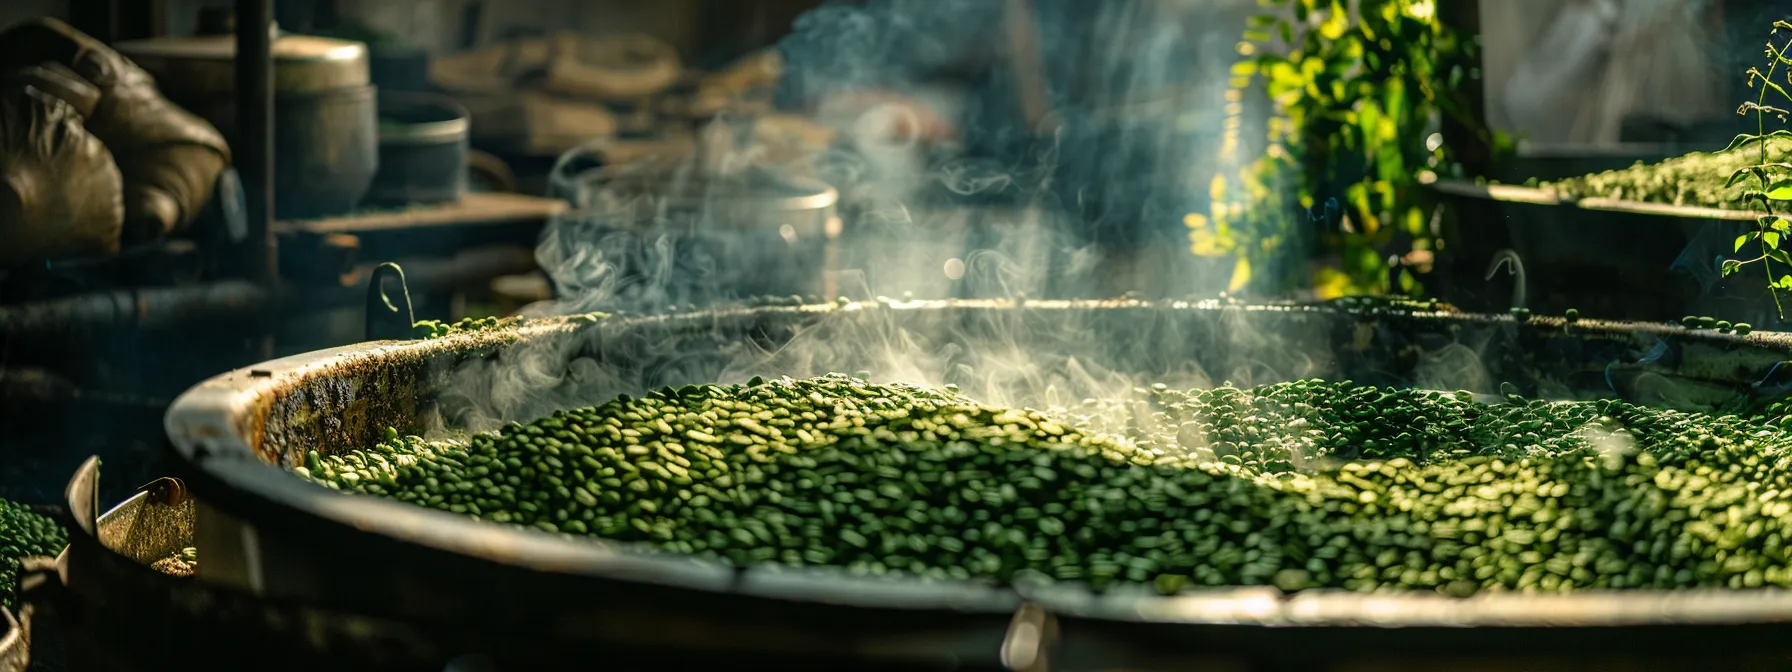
(388, 321)
(1031, 635)
(492, 170)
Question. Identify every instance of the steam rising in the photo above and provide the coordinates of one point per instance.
(1091, 207)
(1005, 212)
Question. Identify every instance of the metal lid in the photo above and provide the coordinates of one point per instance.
(207, 63)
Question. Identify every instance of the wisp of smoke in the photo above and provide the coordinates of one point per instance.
(940, 226)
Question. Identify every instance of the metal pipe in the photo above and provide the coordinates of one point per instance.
(173, 307)
(1029, 64)
(155, 308)
(255, 132)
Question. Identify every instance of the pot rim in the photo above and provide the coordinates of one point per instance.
(452, 129)
(211, 425)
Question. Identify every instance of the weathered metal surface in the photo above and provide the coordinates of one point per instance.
(121, 615)
(146, 529)
(307, 578)
(233, 429)
(15, 641)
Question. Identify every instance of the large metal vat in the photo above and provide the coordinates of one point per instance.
(332, 574)
(1667, 267)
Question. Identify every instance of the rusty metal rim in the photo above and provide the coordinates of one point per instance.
(208, 428)
(15, 646)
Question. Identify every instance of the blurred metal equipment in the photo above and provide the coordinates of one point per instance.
(1029, 68)
(487, 172)
(149, 308)
(472, 211)
(325, 137)
(273, 544)
(255, 140)
(423, 150)
(692, 230)
(1552, 236)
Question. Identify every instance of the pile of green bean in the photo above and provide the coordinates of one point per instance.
(1316, 425)
(1721, 326)
(1297, 485)
(1695, 179)
(428, 329)
(433, 329)
(24, 533)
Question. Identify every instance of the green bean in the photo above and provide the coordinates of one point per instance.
(24, 533)
(1300, 485)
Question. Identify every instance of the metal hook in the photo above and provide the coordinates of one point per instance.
(1515, 267)
(167, 491)
(385, 319)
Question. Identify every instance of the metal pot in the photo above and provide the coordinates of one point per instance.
(266, 533)
(115, 613)
(325, 120)
(423, 150)
(723, 235)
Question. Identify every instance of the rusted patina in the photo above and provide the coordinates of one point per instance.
(231, 428)
(344, 399)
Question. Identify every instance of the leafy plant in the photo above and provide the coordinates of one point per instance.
(1358, 92)
(1773, 180)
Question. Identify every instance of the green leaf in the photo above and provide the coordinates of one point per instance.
(1731, 266)
(1739, 140)
(1781, 191)
(1740, 241)
(1739, 175)
(1785, 282)
(1771, 238)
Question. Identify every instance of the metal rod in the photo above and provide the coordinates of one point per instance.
(235, 300)
(1029, 64)
(255, 132)
(1472, 151)
(150, 308)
